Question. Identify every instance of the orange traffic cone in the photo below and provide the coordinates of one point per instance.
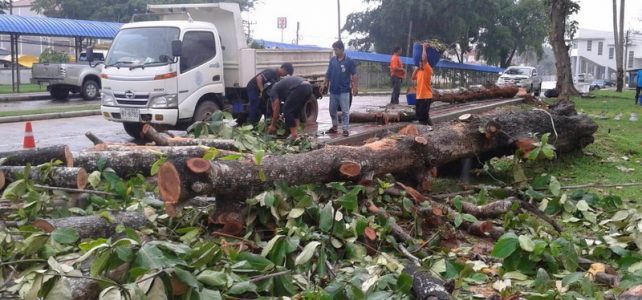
(28, 142)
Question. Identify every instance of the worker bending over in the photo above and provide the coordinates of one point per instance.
(295, 91)
(257, 85)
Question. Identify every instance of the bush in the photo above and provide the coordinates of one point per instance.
(52, 56)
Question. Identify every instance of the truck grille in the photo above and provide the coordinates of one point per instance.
(137, 100)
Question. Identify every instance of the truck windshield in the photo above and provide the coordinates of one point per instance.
(137, 46)
(518, 71)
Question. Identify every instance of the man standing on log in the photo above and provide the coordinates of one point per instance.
(423, 76)
(342, 79)
(257, 85)
(295, 91)
(397, 73)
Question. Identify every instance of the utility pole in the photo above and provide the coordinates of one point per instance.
(339, 19)
(626, 50)
(298, 25)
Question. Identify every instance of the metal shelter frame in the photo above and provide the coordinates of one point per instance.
(80, 30)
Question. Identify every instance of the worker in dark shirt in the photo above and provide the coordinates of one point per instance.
(258, 83)
(295, 91)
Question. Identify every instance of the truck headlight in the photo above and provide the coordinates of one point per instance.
(107, 99)
(164, 101)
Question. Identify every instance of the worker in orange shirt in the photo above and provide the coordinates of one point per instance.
(423, 76)
(397, 73)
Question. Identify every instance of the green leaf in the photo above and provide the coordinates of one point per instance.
(362, 223)
(572, 278)
(526, 243)
(457, 203)
(124, 253)
(186, 277)
(582, 206)
(34, 243)
(505, 246)
(258, 157)
(469, 218)
(542, 281)
(207, 294)
(257, 262)
(231, 157)
(94, 179)
(295, 213)
(268, 247)
(554, 186)
(242, 288)
(157, 164)
(210, 154)
(100, 263)
(15, 189)
(211, 278)
(151, 258)
(518, 173)
(534, 154)
(548, 151)
(307, 253)
(110, 293)
(325, 217)
(404, 282)
(65, 235)
(458, 220)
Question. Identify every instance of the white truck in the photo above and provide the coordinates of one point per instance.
(192, 62)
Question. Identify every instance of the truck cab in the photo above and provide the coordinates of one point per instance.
(191, 63)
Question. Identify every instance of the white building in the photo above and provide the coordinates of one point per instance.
(593, 53)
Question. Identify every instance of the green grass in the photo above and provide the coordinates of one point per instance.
(24, 88)
(50, 110)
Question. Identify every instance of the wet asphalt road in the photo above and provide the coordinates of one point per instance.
(71, 131)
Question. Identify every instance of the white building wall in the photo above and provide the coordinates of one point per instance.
(586, 57)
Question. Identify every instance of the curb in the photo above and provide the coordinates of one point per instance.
(50, 116)
(357, 139)
(32, 97)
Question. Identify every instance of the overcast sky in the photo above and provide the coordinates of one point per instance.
(318, 18)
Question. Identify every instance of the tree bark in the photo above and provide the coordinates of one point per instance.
(93, 226)
(129, 160)
(39, 156)
(620, 48)
(427, 287)
(400, 155)
(559, 12)
(93, 138)
(162, 139)
(474, 94)
(2, 180)
(75, 178)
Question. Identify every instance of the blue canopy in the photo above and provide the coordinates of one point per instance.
(383, 58)
(42, 26)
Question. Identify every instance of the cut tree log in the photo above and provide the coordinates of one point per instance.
(39, 156)
(381, 117)
(447, 143)
(426, 286)
(163, 139)
(75, 178)
(475, 93)
(93, 138)
(2, 180)
(130, 160)
(93, 226)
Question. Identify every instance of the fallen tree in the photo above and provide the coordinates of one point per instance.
(411, 156)
(75, 178)
(475, 93)
(129, 160)
(163, 139)
(38, 156)
(95, 225)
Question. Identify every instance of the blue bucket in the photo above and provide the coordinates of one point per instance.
(411, 98)
(433, 55)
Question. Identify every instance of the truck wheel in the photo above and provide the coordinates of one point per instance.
(310, 111)
(89, 90)
(59, 93)
(134, 129)
(205, 110)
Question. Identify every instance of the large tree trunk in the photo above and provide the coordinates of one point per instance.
(414, 155)
(619, 49)
(162, 139)
(128, 161)
(476, 93)
(93, 226)
(38, 156)
(75, 178)
(2, 180)
(559, 11)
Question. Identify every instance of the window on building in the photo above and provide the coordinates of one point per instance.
(198, 48)
(589, 45)
(630, 60)
(600, 45)
(611, 52)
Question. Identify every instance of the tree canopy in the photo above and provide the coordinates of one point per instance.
(500, 26)
(107, 10)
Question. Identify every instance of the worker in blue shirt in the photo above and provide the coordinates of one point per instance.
(638, 87)
(341, 77)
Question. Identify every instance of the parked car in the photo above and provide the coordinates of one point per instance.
(525, 77)
(598, 84)
(79, 77)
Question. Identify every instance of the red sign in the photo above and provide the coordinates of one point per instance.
(281, 22)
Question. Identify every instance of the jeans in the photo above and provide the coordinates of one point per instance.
(342, 100)
(255, 105)
(637, 94)
(295, 102)
(396, 89)
(423, 110)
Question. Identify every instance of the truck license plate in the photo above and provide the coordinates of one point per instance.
(130, 114)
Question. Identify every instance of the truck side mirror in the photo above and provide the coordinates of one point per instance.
(177, 48)
(90, 54)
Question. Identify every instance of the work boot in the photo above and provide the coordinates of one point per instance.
(346, 133)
